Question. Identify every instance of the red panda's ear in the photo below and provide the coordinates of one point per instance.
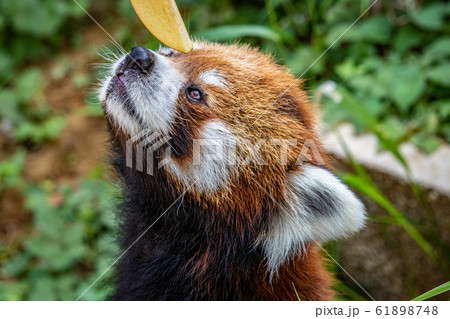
(318, 207)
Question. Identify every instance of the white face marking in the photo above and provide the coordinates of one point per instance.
(213, 77)
(318, 207)
(209, 169)
(152, 97)
(102, 91)
(122, 118)
(155, 99)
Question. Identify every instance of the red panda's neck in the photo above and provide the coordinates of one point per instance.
(188, 252)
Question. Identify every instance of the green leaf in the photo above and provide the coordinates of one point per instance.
(66, 287)
(437, 50)
(73, 9)
(234, 32)
(376, 30)
(300, 60)
(38, 132)
(349, 69)
(11, 169)
(28, 83)
(9, 107)
(407, 38)
(82, 80)
(393, 129)
(404, 83)
(34, 17)
(375, 106)
(43, 288)
(53, 127)
(431, 17)
(426, 143)
(442, 107)
(434, 292)
(6, 62)
(16, 265)
(13, 291)
(440, 74)
(446, 131)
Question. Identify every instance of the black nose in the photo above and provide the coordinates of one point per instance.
(139, 59)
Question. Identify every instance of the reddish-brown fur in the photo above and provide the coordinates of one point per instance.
(261, 101)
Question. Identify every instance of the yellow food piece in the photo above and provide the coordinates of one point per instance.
(163, 20)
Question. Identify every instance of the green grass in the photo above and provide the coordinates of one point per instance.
(434, 292)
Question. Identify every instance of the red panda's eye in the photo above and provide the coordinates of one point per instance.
(194, 94)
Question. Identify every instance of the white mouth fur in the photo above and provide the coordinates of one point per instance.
(152, 96)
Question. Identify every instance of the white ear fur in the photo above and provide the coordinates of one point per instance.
(318, 207)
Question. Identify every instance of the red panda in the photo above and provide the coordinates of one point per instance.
(241, 221)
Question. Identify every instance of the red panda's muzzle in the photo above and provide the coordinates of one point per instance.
(139, 59)
(141, 93)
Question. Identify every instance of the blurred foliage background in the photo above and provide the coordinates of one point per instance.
(56, 221)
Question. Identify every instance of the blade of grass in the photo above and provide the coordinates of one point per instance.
(434, 292)
(359, 169)
(371, 191)
(348, 292)
(298, 297)
(363, 182)
(272, 15)
(275, 27)
(370, 122)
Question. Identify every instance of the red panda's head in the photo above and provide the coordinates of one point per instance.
(238, 132)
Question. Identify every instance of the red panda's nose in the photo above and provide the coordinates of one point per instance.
(140, 59)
